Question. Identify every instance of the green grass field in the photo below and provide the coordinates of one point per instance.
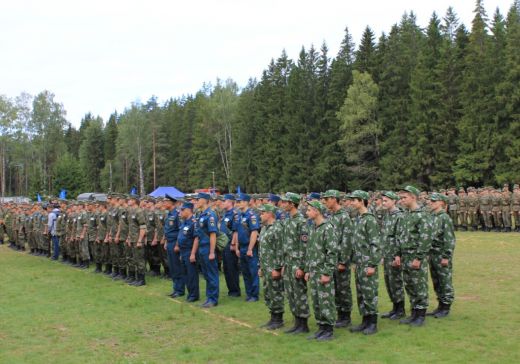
(52, 313)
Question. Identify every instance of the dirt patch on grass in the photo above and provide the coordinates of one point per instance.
(469, 298)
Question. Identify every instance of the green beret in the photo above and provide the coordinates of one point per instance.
(317, 205)
(390, 194)
(413, 190)
(331, 193)
(363, 195)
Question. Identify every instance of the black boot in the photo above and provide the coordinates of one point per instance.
(304, 327)
(399, 313)
(343, 319)
(419, 318)
(99, 268)
(371, 326)
(410, 318)
(108, 269)
(131, 277)
(277, 321)
(327, 334)
(268, 323)
(391, 313)
(360, 327)
(443, 311)
(434, 312)
(318, 333)
(86, 264)
(140, 281)
(122, 275)
(295, 326)
(115, 272)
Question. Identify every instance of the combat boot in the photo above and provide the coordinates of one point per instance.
(268, 323)
(362, 326)
(391, 313)
(86, 264)
(303, 327)
(131, 277)
(343, 319)
(443, 311)
(99, 268)
(371, 327)
(115, 272)
(419, 318)
(277, 321)
(321, 329)
(434, 312)
(327, 334)
(399, 312)
(140, 281)
(410, 318)
(295, 326)
(108, 269)
(122, 275)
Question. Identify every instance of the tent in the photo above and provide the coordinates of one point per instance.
(161, 191)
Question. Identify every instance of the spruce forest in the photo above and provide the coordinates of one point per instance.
(437, 107)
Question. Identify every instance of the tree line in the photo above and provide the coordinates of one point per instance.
(437, 107)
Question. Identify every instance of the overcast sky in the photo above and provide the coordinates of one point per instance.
(101, 55)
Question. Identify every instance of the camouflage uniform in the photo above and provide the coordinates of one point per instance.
(392, 234)
(453, 207)
(506, 211)
(160, 217)
(472, 204)
(443, 244)
(104, 251)
(271, 258)
(515, 208)
(112, 226)
(416, 245)
(485, 210)
(124, 251)
(462, 211)
(343, 226)
(366, 254)
(321, 259)
(137, 222)
(60, 232)
(82, 221)
(92, 231)
(152, 254)
(496, 210)
(296, 234)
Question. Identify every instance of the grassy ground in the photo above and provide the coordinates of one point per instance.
(51, 312)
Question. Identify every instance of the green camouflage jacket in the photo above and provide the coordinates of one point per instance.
(322, 250)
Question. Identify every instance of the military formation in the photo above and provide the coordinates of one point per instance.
(306, 249)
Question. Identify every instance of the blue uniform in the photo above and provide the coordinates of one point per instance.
(229, 258)
(245, 223)
(207, 224)
(171, 232)
(189, 270)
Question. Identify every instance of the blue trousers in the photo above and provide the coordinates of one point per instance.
(55, 247)
(231, 271)
(174, 261)
(249, 267)
(191, 275)
(210, 271)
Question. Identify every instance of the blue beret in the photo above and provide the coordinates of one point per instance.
(314, 195)
(243, 197)
(187, 205)
(273, 197)
(229, 196)
(203, 195)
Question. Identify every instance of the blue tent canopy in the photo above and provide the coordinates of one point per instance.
(161, 191)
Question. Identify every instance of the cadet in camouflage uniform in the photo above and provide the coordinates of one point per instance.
(112, 227)
(44, 235)
(485, 208)
(496, 210)
(441, 256)
(515, 207)
(103, 248)
(124, 251)
(453, 206)
(392, 233)
(414, 249)
(462, 210)
(343, 225)
(152, 253)
(71, 235)
(320, 263)
(92, 235)
(82, 236)
(160, 218)
(506, 210)
(30, 232)
(295, 237)
(366, 256)
(61, 226)
(270, 254)
(137, 240)
(472, 206)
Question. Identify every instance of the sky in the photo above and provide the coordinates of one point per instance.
(99, 56)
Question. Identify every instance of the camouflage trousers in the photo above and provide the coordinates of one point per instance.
(506, 217)
(121, 255)
(323, 303)
(84, 253)
(473, 218)
(343, 291)
(441, 278)
(105, 251)
(296, 291)
(21, 241)
(138, 261)
(128, 257)
(273, 293)
(415, 281)
(393, 280)
(113, 254)
(462, 218)
(487, 219)
(366, 290)
(454, 216)
(497, 218)
(98, 252)
(516, 217)
(63, 246)
(153, 254)
(31, 241)
(72, 248)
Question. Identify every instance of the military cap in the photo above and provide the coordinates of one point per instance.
(317, 205)
(347, 196)
(190, 196)
(291, 197)
(267, 208)
(187, 205)
(255, 196)
(390, 194)
(411, 189)
(273, 197)
(438, 197)
(314, 196)
(363, 195)
(516, 186)
(243, 197)
(220, 198)
(229, 196)
(171, 198)
(332, 193)
(203, 195)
